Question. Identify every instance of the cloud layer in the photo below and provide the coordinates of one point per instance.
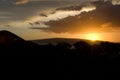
(105, 17)
(21, 2)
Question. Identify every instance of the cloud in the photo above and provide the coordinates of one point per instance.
(30, 23)
(104, 13)
(78, 7)
(37, 8)
(38, 25)
(21, 2)
(10, 12)
(43, 15)
(70, 8)
(61, 13)
(7, 25)
(116, 2)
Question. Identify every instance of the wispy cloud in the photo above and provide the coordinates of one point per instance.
(59, 14)
(116, 2)
(22, 2)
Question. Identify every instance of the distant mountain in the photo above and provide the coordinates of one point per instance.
(7, 38)
(58, 40)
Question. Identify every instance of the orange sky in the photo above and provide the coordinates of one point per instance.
(40, 19)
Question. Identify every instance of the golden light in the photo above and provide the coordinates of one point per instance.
(93, 36)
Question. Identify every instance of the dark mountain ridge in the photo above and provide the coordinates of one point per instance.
(61, 40)
(55, 40)
(7, 38)
(69, 54)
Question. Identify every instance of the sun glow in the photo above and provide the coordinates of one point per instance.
(92, 36)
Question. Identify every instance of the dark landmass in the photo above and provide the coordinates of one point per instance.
(72, 55)
(56, 41)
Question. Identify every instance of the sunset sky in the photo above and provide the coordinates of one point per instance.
(39, 19)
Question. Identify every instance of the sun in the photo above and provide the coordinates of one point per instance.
(92, 36)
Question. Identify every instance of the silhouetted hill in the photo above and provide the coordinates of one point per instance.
(57, 40)
(69, 54)
(13, 45)
(7, 38)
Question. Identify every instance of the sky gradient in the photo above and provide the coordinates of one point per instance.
(39, 19)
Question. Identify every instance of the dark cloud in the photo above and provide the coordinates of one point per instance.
(26, 11)
(22, 10)
(105, 13)
(43, 15)
(71, 8)
(7, 25)
(31, 24)
(37, 23)
(52, 12)
(35, 28)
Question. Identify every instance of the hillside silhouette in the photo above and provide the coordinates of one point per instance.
(69, 54)
(7, 38)
(56, 40)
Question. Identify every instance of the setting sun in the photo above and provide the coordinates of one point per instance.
(92, 36)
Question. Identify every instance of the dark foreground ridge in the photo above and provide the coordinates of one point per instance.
(68, 57)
